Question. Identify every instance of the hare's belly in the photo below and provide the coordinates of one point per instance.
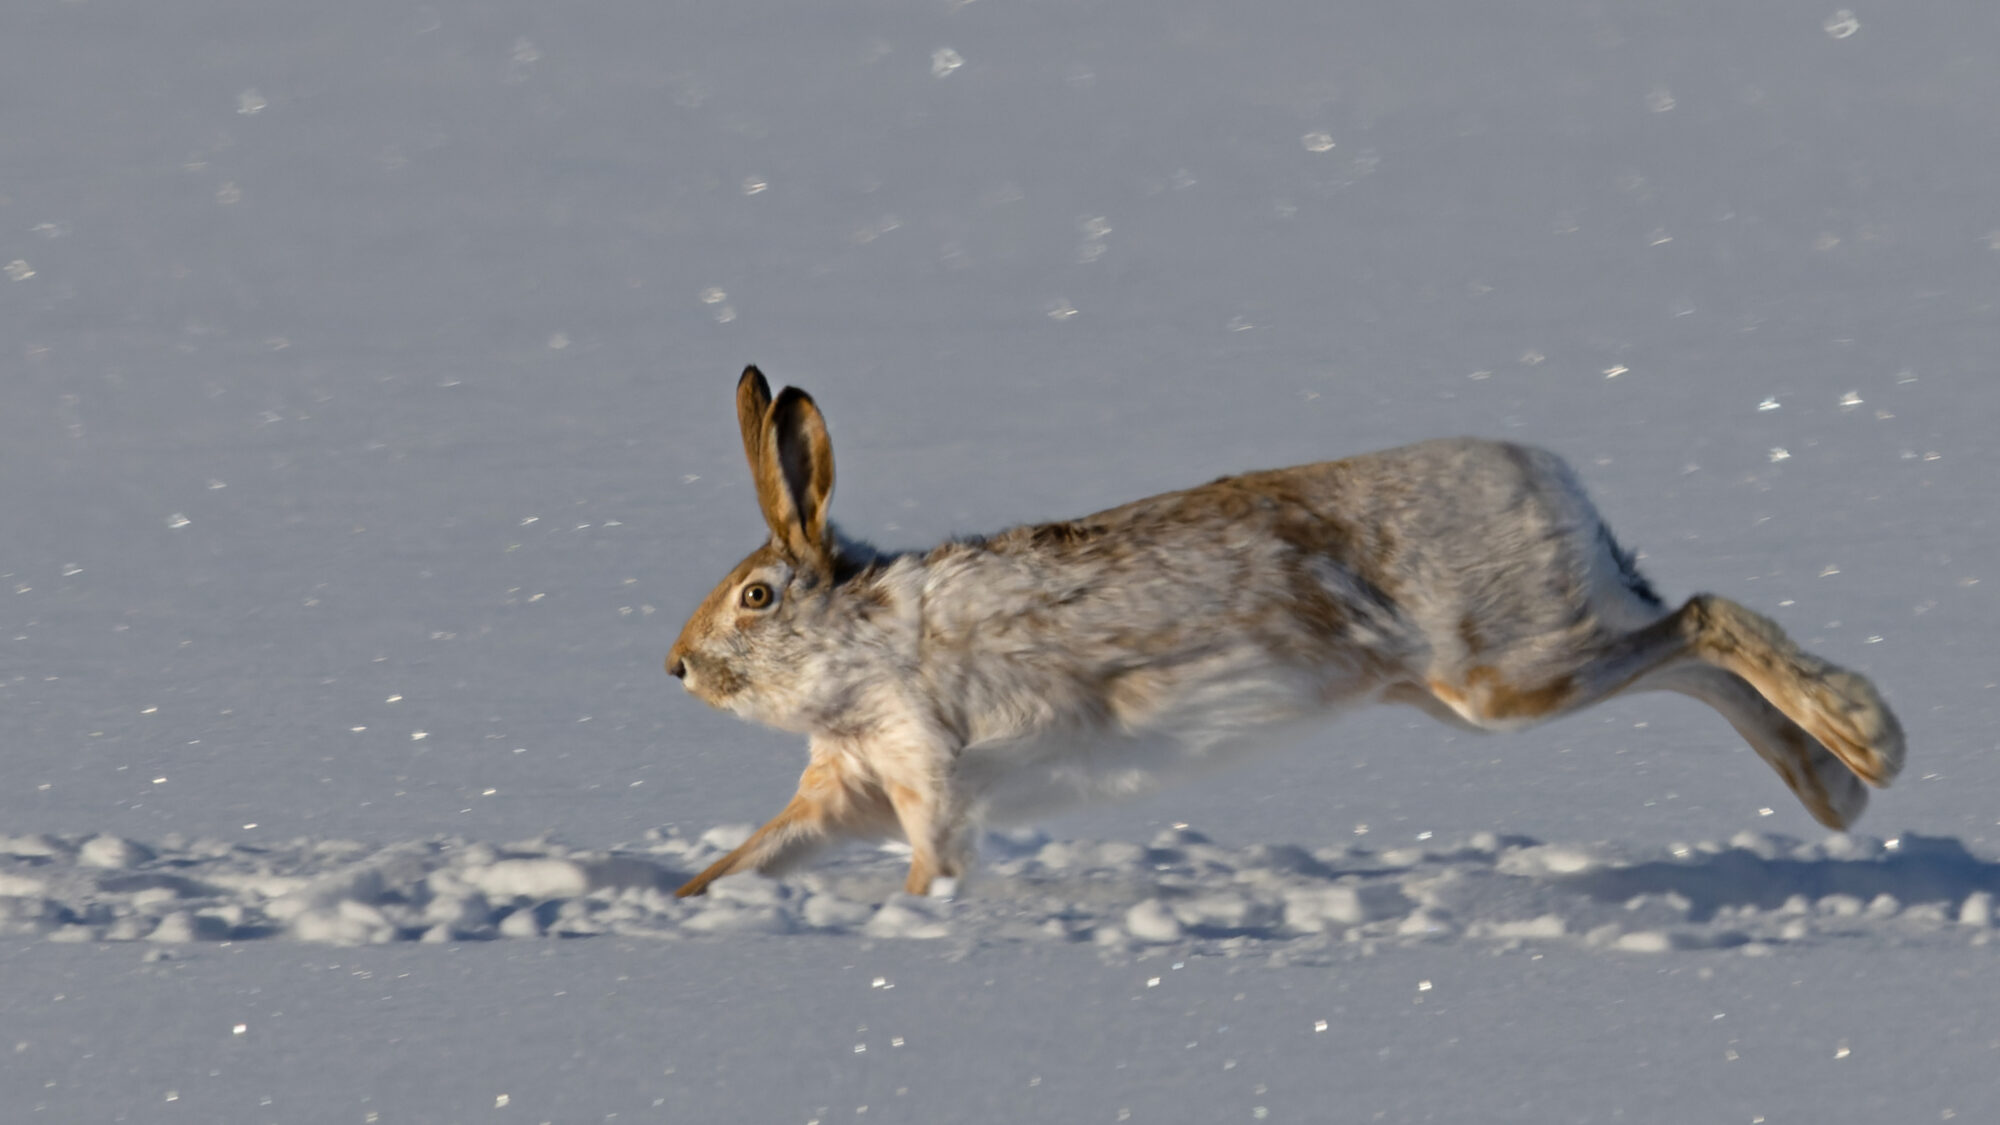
(1025, 778)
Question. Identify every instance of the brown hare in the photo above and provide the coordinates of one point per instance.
(989, 677)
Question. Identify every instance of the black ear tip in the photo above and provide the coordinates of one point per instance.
(792, 397)
(752, 377)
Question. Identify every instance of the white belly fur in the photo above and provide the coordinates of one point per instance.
(1012, 781)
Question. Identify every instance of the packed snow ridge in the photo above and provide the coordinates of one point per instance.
(1755, 893)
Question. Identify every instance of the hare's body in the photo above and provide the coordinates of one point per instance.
(1098, 655)
(992, 677)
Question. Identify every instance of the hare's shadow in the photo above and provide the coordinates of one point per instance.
(1921, 869)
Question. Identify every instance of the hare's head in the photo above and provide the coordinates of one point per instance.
(747, 647)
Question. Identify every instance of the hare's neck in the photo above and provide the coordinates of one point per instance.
(992, 649)
(880, 607)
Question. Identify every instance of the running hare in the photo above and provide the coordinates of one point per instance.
(986, 676)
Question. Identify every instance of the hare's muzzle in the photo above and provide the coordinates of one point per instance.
(677, 668)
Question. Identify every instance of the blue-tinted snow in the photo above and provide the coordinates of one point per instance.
(364, 424)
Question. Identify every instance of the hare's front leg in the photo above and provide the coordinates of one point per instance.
(831, 801)
(930, 820)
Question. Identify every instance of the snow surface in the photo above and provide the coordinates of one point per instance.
(1283, 903)
(365, 422)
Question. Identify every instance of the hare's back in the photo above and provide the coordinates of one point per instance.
(1444, 503)
(1460, 535)
(1445, 518)
(1494, 538)
(1442, 538)
(1462, 495)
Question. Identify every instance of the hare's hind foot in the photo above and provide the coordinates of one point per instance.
(1824, 729)
(1830, 792)
(1840, 709)
(1856, 724)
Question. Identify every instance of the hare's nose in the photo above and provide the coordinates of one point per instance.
(677, 668)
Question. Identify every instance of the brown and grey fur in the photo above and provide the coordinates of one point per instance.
(989, 677)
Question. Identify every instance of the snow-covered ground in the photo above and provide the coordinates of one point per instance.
(366, 433)
(1282, 902)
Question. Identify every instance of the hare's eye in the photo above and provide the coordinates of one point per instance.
(756, 595)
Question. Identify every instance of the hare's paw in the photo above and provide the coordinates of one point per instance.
(696, 886)
(1848, 717)
(1830, 792)
(727, 865)
(1834, 795)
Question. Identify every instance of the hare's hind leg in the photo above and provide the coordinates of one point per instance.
(1838, 708)
(1813, 722)
(1503, 695)
(1823, 784)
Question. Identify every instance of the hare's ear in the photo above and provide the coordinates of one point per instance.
(794, 474)
(753, 402)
